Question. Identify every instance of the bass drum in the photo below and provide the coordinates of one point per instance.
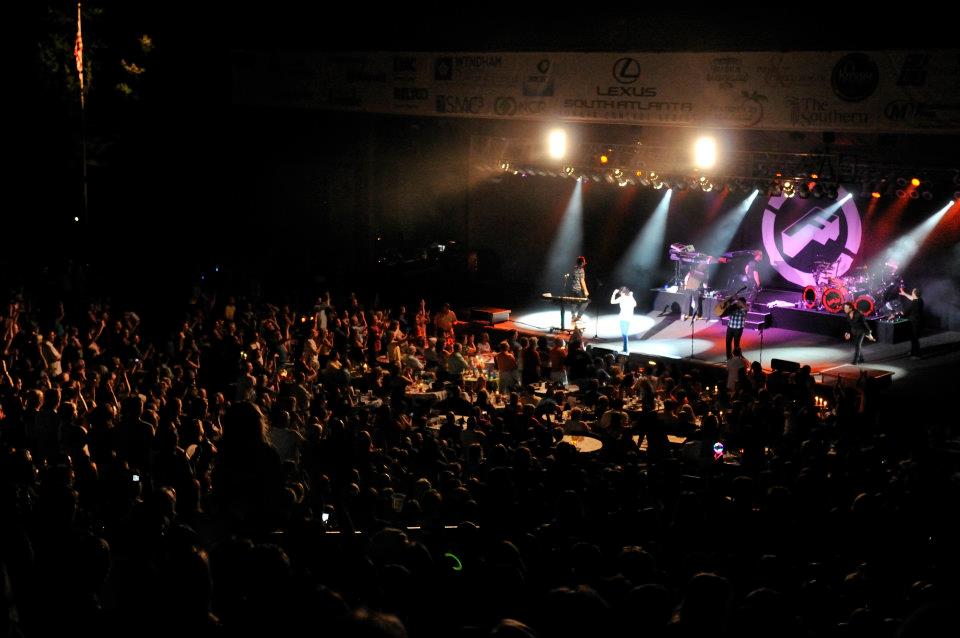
(833, 298)
(865, 304)
(810, 296)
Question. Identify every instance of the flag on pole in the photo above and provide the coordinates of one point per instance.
(78, 52)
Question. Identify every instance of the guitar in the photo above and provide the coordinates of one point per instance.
(721, 307)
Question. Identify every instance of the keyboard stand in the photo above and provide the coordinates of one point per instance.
(562, 328)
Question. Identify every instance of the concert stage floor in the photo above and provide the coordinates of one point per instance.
(669, 337)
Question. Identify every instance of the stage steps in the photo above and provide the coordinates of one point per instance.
(755, 320)
(758, 320)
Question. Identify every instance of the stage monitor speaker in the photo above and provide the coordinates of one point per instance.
(602, 352)
(638, 360)
(784, 366)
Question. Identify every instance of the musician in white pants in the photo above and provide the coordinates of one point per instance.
(624, 297)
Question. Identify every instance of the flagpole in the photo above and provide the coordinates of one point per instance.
(78, 54)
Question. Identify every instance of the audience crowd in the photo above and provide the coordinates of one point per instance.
(366, 471)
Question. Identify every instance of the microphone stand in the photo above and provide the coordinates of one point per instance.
(760, 356)
(694, 313)
(693, 323)
(596, 322)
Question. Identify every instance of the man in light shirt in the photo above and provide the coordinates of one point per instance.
(624, 297)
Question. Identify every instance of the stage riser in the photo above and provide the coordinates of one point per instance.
(852, 375)
(665, 299)
(812, 321)
(490, 315)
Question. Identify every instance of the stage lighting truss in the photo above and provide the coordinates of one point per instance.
(813, 175)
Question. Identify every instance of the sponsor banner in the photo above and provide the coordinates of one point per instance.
(817, 91)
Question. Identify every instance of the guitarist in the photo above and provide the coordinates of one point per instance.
(735, 309)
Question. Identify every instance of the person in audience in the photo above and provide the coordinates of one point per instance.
(506, 367)
(558, 355)
(483, 345)
(193, 491)
(456, 364)
(444, 322)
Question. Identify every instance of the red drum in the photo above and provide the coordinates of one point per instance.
(810, 296)
(865, 304)
(833, 298)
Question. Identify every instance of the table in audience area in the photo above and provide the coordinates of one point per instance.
(583, 444)
(671, 439)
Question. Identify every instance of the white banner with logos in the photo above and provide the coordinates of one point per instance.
(890, 91)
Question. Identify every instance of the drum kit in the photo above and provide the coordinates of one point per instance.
(871, 292)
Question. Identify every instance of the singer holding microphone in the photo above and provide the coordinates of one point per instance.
(624, 297)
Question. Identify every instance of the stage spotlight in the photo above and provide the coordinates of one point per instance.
(705, 153)
(914, 182)
(789, 190)
(604, 159)
(569, 171)
(655, 180)
(706, 185)
(618, 173)
(875, 195)
(504, 166)
(557, 143)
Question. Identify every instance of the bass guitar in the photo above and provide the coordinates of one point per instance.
(722, 307)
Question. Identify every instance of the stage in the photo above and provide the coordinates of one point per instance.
(656, 335)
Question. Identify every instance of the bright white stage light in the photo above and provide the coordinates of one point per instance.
(557, 143)
(705, 153)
